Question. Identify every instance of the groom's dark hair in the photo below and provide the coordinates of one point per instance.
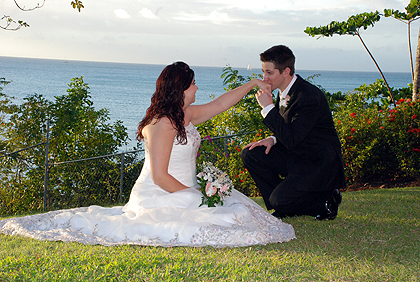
(281, 56)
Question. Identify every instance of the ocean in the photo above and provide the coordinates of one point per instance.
(125, 89)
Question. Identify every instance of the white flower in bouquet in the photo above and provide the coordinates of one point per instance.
(215, 185)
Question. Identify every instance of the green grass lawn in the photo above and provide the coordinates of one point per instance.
(376, 237)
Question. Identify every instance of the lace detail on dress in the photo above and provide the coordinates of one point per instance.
(193, 136)
(257, 227)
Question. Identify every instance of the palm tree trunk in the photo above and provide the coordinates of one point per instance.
(416, 80)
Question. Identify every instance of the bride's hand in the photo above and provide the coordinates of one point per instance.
(264, 86)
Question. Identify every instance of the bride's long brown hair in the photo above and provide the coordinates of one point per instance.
(168, 100)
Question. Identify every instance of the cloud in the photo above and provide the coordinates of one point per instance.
(298, 5)
(146, 13)
(208, 32)
(215, 17)
(122, 14)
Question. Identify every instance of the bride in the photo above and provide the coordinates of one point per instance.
(163, 209)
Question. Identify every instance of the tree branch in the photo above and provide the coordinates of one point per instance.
(10, 22)
(379, 69)
(30, 9)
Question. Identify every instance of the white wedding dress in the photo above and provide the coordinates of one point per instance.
(155, 217)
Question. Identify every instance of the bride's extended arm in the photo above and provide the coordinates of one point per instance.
(201, 113)
(160, 137)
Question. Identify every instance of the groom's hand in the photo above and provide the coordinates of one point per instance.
(264, 98)
(267, 142)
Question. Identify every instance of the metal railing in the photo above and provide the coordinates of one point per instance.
(55, 180)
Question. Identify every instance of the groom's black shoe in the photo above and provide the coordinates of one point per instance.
(337, 196)
(278, 214)
(331, 207)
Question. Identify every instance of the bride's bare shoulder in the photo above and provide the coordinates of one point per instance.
(162, 126)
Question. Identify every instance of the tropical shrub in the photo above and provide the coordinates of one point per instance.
(379, 141)
(77, 131)
(243, 124)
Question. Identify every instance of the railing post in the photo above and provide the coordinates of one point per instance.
(122, 177)
(46, 165)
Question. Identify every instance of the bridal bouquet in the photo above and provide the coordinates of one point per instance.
(215, 185)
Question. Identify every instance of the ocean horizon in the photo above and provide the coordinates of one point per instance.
(125, 89)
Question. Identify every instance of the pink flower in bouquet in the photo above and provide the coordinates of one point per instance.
(224, 188)
(210, 190)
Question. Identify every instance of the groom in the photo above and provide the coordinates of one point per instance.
(298, 170)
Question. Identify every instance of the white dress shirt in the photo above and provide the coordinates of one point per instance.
(282, 96)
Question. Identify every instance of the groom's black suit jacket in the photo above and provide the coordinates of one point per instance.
(305, 130)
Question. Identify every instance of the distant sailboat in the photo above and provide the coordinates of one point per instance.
(249, 67)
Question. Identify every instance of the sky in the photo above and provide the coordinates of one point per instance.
(206, 32)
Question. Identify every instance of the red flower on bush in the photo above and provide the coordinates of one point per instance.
(353, 130)
(414, 130)
(353, 114)
(414, 117)
(391, 117)
(400, 101)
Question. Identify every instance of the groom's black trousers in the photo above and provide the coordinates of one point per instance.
(270, 173)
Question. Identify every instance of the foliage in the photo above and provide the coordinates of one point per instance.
(354, 23)
(77, 131)
(379, 142)
(242, 124)
(412, 13)
(351, 27)
(77, 4)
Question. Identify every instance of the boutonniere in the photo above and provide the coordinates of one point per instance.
(284, 102)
